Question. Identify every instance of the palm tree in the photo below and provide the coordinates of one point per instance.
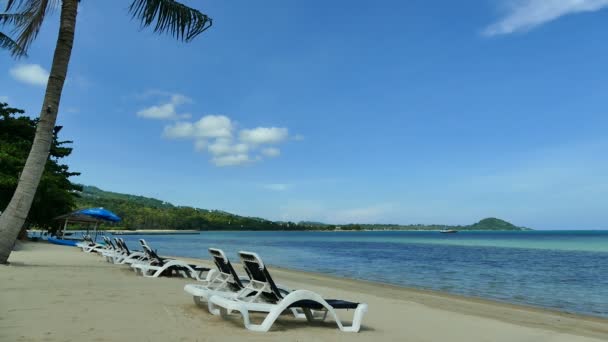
(26, 17)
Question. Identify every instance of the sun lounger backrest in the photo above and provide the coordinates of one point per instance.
(152, 255)
(111, 243)
(225, 267)
(119, 245)
(124, 246)
(257, 271)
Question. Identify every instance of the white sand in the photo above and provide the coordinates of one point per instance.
(55, 293)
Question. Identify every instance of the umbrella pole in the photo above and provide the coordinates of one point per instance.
(95, 232)
(65, 225)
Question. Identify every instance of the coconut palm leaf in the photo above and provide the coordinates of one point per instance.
(178, 20)
(35, 12)
(10, 4)
(12, 18)
(7, 43)
(27, 18)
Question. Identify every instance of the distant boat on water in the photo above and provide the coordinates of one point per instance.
(448, 231)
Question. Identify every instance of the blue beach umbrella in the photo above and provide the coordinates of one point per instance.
(100, 214)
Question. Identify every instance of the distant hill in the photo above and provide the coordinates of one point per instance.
(93, 193)
(139, 212)
(485, 224)
(312, 223)
(494, 224)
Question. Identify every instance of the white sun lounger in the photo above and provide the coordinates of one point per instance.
(315, 307)
(127, 256)
(85, 243)
(224, 281)
(158, 266)
(145, 260)
(88, 246)
(112, 251)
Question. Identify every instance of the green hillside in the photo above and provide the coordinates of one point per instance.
(494, 224)
(139, 212)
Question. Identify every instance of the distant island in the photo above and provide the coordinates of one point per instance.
(139, 212)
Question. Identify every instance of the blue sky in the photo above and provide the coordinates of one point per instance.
(344, 111)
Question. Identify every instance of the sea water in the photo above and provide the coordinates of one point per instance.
(563, 270)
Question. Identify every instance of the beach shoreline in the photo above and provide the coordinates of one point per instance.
(39, 281)
(526, 315)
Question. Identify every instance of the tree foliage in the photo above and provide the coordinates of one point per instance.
(25, 18)
(139, 212)
(56, 194)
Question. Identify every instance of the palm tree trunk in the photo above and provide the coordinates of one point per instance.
(16, 212)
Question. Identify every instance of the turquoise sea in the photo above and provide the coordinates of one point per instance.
(563, 270)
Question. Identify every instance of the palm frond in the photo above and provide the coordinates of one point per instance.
(12, 18)
(32, 14)
(9, 44)
(11, 4)
(178, 20)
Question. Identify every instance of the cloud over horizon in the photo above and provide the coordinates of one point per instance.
(32, 74)
(524, 15)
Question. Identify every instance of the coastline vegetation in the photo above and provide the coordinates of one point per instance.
(56, 195)
(139, 212)
(24, 19)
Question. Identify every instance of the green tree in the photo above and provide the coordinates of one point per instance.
(56, 194)
(26, 18)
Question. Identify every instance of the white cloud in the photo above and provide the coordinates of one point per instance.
(180, 129)
(271, 152)
(180, 99)
(209, 126)
(213, 126)
(215, 134)
(167, 110)
(231, 159)
(298, 137)
(225, 146)
(32, 74)
(264, 135)
(524, 15)
(3, 98)
(277, 187)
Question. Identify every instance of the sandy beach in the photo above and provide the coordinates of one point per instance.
(55, 293)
